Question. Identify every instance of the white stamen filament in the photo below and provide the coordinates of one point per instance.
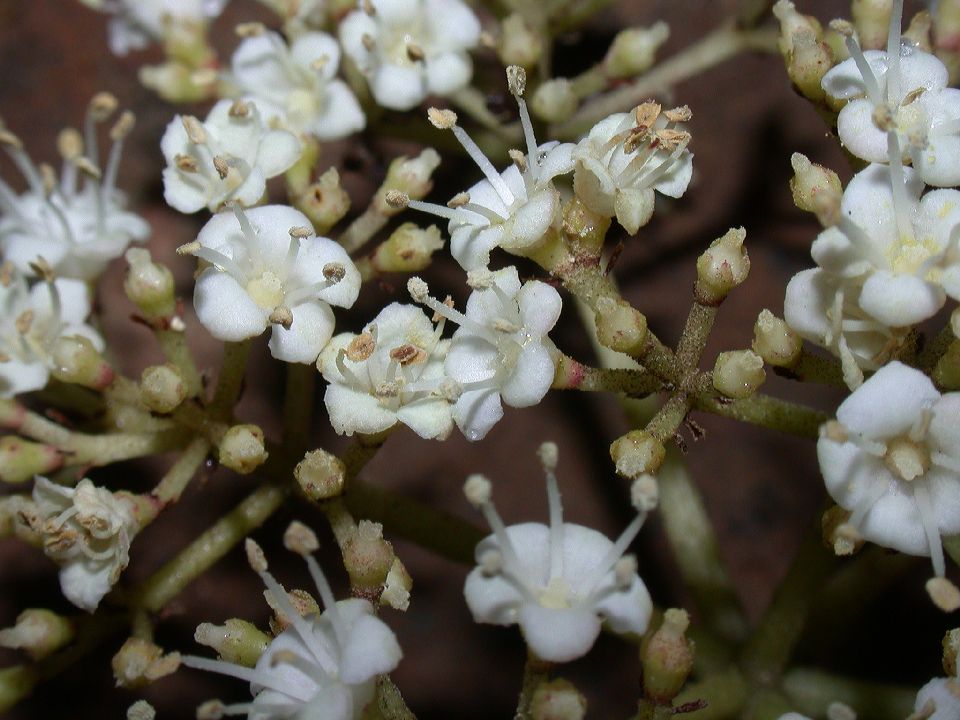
(113, 165)
(866, 72)
(311, 670)
(222, 263)
(556, 527)
(486, 167)
(901, 203)
(493, 519)
(243, 673)
(329, 601)
(533, 157)
(925, 506)
(617, 550)
(856, 235)
(893, 52)
(453, 214)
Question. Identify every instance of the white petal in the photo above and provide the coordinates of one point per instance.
(942, 693)
(921, 69)
(312, 328)
(889, 402)
(19, 377)
(398, 88)
(540, 307)
(451, 24)
(939, 162)
(558, 635)
(845, 81)
(279, 150)
(311, 47)
(476, 412)
(808, 296)
(531, 378)
(431, 419)
(182, 195)
(341, 116)
(85, 585)
(627, 611)
(448, 72)
(371, 649)
(898, 300)
(353, 411)
(225, 309)
(633, 207)
(859, 134)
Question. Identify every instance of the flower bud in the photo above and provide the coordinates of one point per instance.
(554, 101)
(321, 475)
(162, 388)
(667, 658)
(149, 285)
(408, 249)
(946, 373)
(21, 459)
(367, 557)
(951, 646)
(139, 662)
(723, 266)
(77, 361)
(946, 36)
(242, 449)
(397, 587)
(409, 176)
(15, 684)
(38, 632)
(774, 341)
(633, 50)
(738, 373)
(236, 641)
(620, 327)
(519, 43)
(918, 33)
(815, 189)
(325, 202)
(792, 22)
(872, 20)
(141, 710)
(637, 453)
(806, 56)
(557, 700)
(178, 83)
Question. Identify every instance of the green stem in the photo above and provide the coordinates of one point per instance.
(815, 369)
(768, 412)
(696, 332)
(173, 345)
(572, 375)
(362, 229)
(172, 485)
(230, 380)
(725, 694)
(813, 691)
(668, 419)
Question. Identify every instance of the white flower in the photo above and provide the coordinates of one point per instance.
(227, 158)
(892, 459)
(903, 90)
(628, 156)
(515, 209)
(77, 223)
(939, 699)
(409, 49)
(268, 268)
(558, 582)
(296, 86)
(501, 352)
(392, 372)
(137, 23)
(87, 530)
(32, 321)
(323, 666)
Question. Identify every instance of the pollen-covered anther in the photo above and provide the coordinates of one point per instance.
(300, 539)
(189, 248)
(944, 594)
(645, 493)
(221, 165)
(102, 105)
(415, 52)
(679, 114)
(194, 130)
(834, 430)
(186, 163)
(883, 118)
(368, 42)
(255, 557)
(458, 200)
(418, 289)
(211, 710)
(70, 144)
(397, 199)
(478, 490)
(441, 119)
(491, 563)
(408, 354)
(361, 347)
(334, 272)
(646, 114)
(516, 80)
(519, 159)
(624, 570)
(282, 315)
(123, 126)
(239, 109)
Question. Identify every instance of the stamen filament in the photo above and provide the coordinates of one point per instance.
(242, 673)
(556, 527)
(925, 506)
(901, 203)
(329, 601)
(893, 52)
(869, 79)
(486, 167)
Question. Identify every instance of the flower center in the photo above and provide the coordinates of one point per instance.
(906, 458)
(555, 595)
(266, 290)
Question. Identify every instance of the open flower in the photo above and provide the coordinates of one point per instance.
(31, 323)
(137, 23)
(227, 158)
(939, 699)
(627, 156)
(501, 352)
(295, 86)
(77, 223)
(322, 666)
(560, 581)
(892, 458)
(515, 209)
(268, 268)
(409, 49)
(87, 530)
(391, 372)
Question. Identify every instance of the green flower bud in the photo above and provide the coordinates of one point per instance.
(667, 658)
(408, 249)
(320, 475)
(634, 50)
(409, 176)
(872, 20)
(738, 373)
(242, 449)
(149, 285)
(162, 388)
(620, 327)
(38, 632)
(140, 662)
(236, 641)
(636, 454)
(774, 341)
(77, 361)
(723, 266)
(21, 459)
(815, 189)
(367, 557)
(325, 202)
(519, 44)
(554, 101)
(557, 700)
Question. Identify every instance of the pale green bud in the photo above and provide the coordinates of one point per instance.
(236, 641)
(408, 249)
(738, 373)
(634, 50)
(636, 454)
(620, 326)
(162, 388)
(557, 700)
(367, 557)
(667, 658)
(325, 202)
(554, 101)
(774, 341)
(723, 266)
(149, 285)
(140, 662)
(38, 632)
(242, 449)
(519, 43)
(411, 176)
(321, 475)
(815, 189)
(871, 18)
(21, 459)
(77, 361)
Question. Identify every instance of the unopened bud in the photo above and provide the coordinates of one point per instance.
(918, 33)
(325, 202)
(634, 50)
(140, 663)
(367, 556)
(738, 373)
(21, 459)
(554, 101)
(320, 475)
(242, 449)
(162, 388)
(236, 641)
(667, 658)
(519, 43)
(557, 700)
(946, 35)
(946, 373)
(872, 20)
(177, 82)
(301, 601)
(815, 188)
(774, 341)
(792, 22)
(149, 285)
(408, 249)
(397, 586)
(141, 710)
(77, 361)
(407, 175)
(38, 632)
(951, 647)
(636, 454)
(620, 326)
(723, 266)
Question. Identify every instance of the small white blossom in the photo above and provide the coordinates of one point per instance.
(903, 90)
(501, 352)
(31, 322)
(227, 158)
(558, 582)
(892, 458)
(78, 222)
(322, 666)
(628, 156)
(295, 86)
(87, 530)
(268, 268)
(939, 699)
(137, 23)
(392, 372)
(409, 49)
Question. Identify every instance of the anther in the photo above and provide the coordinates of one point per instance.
(458, 200)
(418, 289)
(516, 80)
(441, 119)
(549, 456)
(519, 159)
(679, 114)
(70, 144)
(102, 105)
(300, 539)
(239, 109)
(86, 166)
(186, 163)
(300, 232)
(361, 347)
(189, 248)
(397, 199)
(221, 166)
(255, 557)
(122, 127)
(282, 315)
(334, 272)
(368, 42)
(194, 130)
(478, 490)
(415, 52)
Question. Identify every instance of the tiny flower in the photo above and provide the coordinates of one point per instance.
(32, 321)
(514, 209)
(902, 90)
(77, 222)
(137, 23)
(892, 458)
(266, 267)
(227, 158)
(323, 665)
(939, 699)
(391, 372)
(295, 86)
(87, 530)
(501, 352)
(409, 49)
(558, 582)
(628, 156)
